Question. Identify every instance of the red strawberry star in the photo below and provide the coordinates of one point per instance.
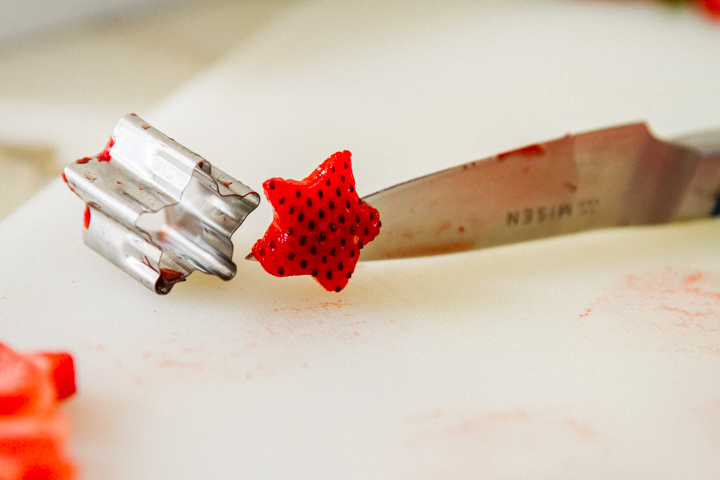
(319, 225)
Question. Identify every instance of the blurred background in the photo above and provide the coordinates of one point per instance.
(71, 68)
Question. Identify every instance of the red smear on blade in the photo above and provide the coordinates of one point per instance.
(529, 151)
(33, 433)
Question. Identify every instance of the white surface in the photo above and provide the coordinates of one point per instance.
(591, 356)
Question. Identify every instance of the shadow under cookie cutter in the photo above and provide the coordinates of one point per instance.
(158, 210)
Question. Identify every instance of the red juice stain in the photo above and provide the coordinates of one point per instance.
(571, 186)
(693, 278)
(170, 275)
(83, 160)
(227, 184)
(104, 156)
(581, 430)
(529, 151)
(145, 126)
(680, 306)
(86, 220)
(63, 177)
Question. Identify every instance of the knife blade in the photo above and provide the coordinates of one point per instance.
(614, 177)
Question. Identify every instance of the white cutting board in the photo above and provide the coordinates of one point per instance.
(590, 356)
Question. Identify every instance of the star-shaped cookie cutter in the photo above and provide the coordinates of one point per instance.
(157, 210)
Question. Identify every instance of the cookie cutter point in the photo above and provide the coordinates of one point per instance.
(158, 210)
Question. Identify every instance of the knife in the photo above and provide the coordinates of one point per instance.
(613, 177)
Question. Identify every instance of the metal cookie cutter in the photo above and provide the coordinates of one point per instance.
(157, 210)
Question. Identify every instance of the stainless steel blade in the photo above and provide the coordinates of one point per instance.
(614, 177)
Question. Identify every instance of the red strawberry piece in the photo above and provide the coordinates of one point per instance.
(32, 432)
(23, 385)
(712, 7)
(10, 468)
(32, 447)
(60, 370)
(319, 225)
(32, 383)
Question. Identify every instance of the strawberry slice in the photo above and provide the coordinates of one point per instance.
(60, 370)
(10, 468)
(23, 389)
(32, 432)
(319, 225)
(31, 383)
(32, 447)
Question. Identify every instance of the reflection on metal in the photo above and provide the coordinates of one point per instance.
(157, 210)
(608, 178)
